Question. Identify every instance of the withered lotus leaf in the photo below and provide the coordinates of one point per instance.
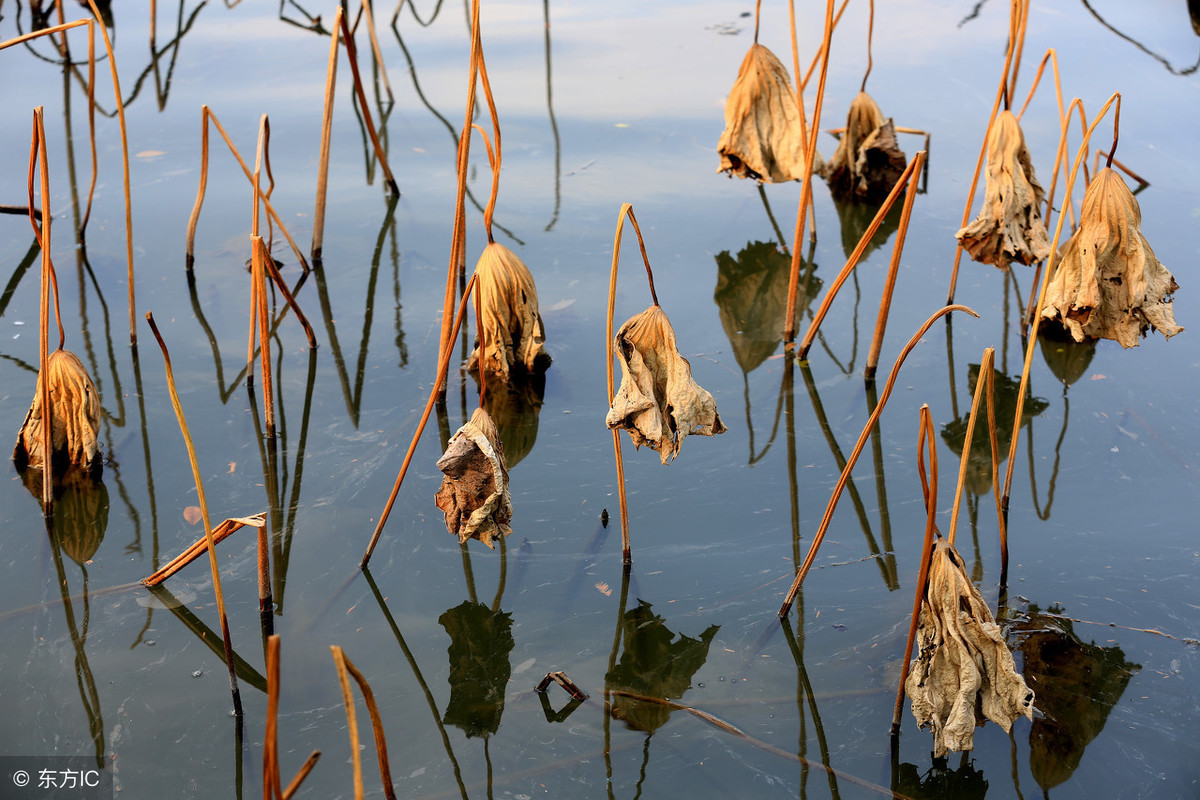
(658, 403)
(868, 161)
(74, 416)
(963, 673)
(762, 137)
(512, 325)
(1108, 284)
(1009, 226)
(474, 493)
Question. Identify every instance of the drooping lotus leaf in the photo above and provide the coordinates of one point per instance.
(868, 160)
(762, 137)
(474, 494)
(658, 403)
(1108, 284)
(480, 643)
(963, 673)
(1009, 226)
(74, 417)
(512, 324)
(940, 782)
(1078, 685)
(654, 663)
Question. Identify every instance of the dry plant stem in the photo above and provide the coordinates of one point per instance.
(326, 132)
(870, 30)
(885, 302)
(926, 440)
(985, 369)
(789, 324)
(269, 263)
(200, 547)
(905, 178)
(208, 530)
(369, 13)
(1020, 12)
(857, 451)
(994, 441)
(495, 163)
(301, 774)
(205, 115)
(1001, 91)
(264, 333)
(39, 145)
(271, 787)
(1047, 274)
(112, 63)
(443, 367)
(626, 210)
(479, 334)
(352, 55)
(345, 670)
(264, 572)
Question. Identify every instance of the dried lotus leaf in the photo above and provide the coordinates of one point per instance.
(474, 494)
(964, 672)
(1009, 226)
(868, 160)
(658, 403)
(1109, 284)
(74, 417)
(512, 325)
(762, 137)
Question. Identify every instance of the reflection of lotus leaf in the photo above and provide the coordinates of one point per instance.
(751, 295)
(964, 783)
(856, 217)
(514, 407)
(1078, 684)
(655, 664)
(480, 643)
(979, 468)
(1066, 358)
(80, 509)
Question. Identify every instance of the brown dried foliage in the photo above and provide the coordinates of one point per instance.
(512, 325)
(1108, 284)
(868, 161)
(474, 494)
(74, 416)
(1009, 226)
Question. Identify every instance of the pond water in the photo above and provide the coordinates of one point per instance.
(599, 105)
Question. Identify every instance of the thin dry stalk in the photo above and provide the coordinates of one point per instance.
(271, 781)
(301, 774)
(39, 145)
(352, 55)
(885, 302)
(200, 547)
(1016, 18)
(993, 440)
(858, 448)
(1047, 274)
(326, 133)
(112, 64)
(208, 530)
(443, 368)
(926, 440)
(789, 324)
(369, 13)
(985, 370)
(821, 51)
(346, 668)
(903, 181)
(205, 115)
(626, 211)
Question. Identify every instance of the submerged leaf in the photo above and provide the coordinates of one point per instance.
(1009, 226)
(74, 417)
(963, 673)
(762, 137)
(868, 161)
(658, 402)
(512, 325)
(1109, 285)
(474, 494)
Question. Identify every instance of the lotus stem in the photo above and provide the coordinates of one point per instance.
(1051, 262)
(885, 302)
(985, 370)
(208, 530)
(200, 547)
(851, 262)
(993, 440)
(858, 448)
(271, 781)
(326, 133)
(870, 30)
(443, 367)
(925, 440)
(352, 55)
(369, 13)
(346, 669)
(38, 146)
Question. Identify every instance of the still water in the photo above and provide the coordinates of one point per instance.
(599, 104)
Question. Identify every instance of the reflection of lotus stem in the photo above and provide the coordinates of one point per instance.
(1080, 156)
(1015, 40)
(208, 531)
(443, 367)
(864, 241)
(925, 441)
(626, 210)
(885, 302)
(352, 55)
(985, 370)
(858, 448)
